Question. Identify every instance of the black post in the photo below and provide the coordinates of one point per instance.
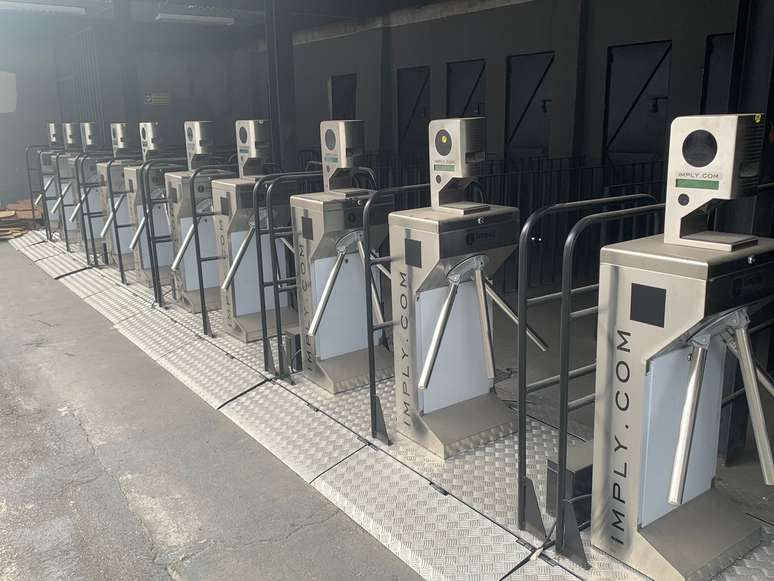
(282, 100)
(114, 213)
(261, 183)
(60, 195)
(195, 216)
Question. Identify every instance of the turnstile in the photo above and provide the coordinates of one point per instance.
(670, 308)
(233, 211)
(327, 238)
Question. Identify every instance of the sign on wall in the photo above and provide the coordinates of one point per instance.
(7, 92)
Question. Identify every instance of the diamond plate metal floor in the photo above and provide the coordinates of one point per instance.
(273, 416)
(436, 534)
(212, 374)
(154, 333)
(448, 520)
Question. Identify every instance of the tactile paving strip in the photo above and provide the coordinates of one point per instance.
(155, 334)
(213, 375)
(306, 440)
(435, 534)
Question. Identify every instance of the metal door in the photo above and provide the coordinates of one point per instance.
(716, 76)
(528, 106)
(342, 96)
(637, 102)
(466, 89)
(413, 112)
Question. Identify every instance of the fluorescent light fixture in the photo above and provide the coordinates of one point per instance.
(195, 19)
(42, 8)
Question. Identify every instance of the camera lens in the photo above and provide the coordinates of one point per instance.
(443, 142)
(700, 148)
(330, 139)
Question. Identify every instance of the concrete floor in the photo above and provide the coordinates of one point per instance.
(112, 469)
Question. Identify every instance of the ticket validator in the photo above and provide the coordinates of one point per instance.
(671, 307)
(200, 151)
(328, 242)
(154, 144)
(125, 143)
(232, 201)
(87, 201)
(442, 257)
(67, 198)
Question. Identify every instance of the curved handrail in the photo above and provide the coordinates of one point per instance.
(521, 365)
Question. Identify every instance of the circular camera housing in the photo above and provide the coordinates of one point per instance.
(242, 135)
(330, 139)
(443, 142)
(189, 133)
(699, 148)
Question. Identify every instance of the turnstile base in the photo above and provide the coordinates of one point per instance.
(247, 328)
(350, 370)
(145, 277)
(697, 540)
(191, 301)
(464, 426)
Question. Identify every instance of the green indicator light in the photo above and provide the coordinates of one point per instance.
(442, 167)
(698, 184)
(331, 159)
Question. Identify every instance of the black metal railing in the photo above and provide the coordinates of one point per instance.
(528, 512)
(213, 171)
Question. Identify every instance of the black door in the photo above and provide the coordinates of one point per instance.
(413, 112)
(717, 73)
(637, 103)
(528, 106)
(466, 89)
(342, 95)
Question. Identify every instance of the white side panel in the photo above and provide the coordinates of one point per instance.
(51, 194)
(124, 234)
(343, 326)
(666, 386)
(246, 279)
(161, 227)
(210, 269)
(459, 373)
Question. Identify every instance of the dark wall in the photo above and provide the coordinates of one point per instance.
(30, 55)
(182, 72)
(316, 61)
(579, 32)
(616, 22)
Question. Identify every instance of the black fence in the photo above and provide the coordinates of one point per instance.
(531, 183)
